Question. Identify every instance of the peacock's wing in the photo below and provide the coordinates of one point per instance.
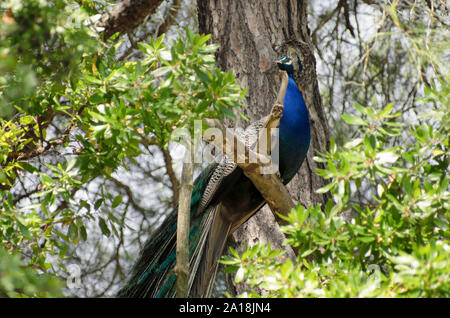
(215, 234)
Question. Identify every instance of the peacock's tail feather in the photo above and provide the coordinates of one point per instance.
(152, 275)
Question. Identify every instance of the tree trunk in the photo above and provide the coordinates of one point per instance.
(252, 34)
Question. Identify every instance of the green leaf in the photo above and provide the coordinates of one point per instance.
(104, 228)
(73, 231)
(161, 71)
(361, 108)
(46, 179)
(354, 120)
(386, 157)
(4, 178)
(83, 233)
(353, 143)
(24, 230)
(98, 117)
(98, 203)
(71, 164)
(117, 200)
(26, 166)
(308, 252)
(233, 251)
(326, 188)
(239, 275)
(386, 110)
(229, 261)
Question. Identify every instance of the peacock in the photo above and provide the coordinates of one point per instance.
(222, 199)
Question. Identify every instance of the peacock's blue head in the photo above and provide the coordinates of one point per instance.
(285, 64)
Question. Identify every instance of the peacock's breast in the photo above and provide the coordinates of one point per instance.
(292, 153)
(294, 133)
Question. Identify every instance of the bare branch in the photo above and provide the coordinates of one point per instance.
(173, 178)
(163, 28)
(170, 19)
(41, 149)
(127, 15)
(183, 225)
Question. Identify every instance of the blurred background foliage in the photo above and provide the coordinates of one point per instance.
(88, 167)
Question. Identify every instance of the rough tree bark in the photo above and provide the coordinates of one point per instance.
(252, 34)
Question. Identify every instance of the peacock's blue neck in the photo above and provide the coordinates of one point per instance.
(294, 132)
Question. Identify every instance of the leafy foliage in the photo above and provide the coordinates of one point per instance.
(62, 90)
(17, 280)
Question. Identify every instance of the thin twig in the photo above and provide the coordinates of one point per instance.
(173, 178)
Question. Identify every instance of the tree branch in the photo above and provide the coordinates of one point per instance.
(183, 226)
(173, 178)
(41, 149)
(163, 28)
(127, 15)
